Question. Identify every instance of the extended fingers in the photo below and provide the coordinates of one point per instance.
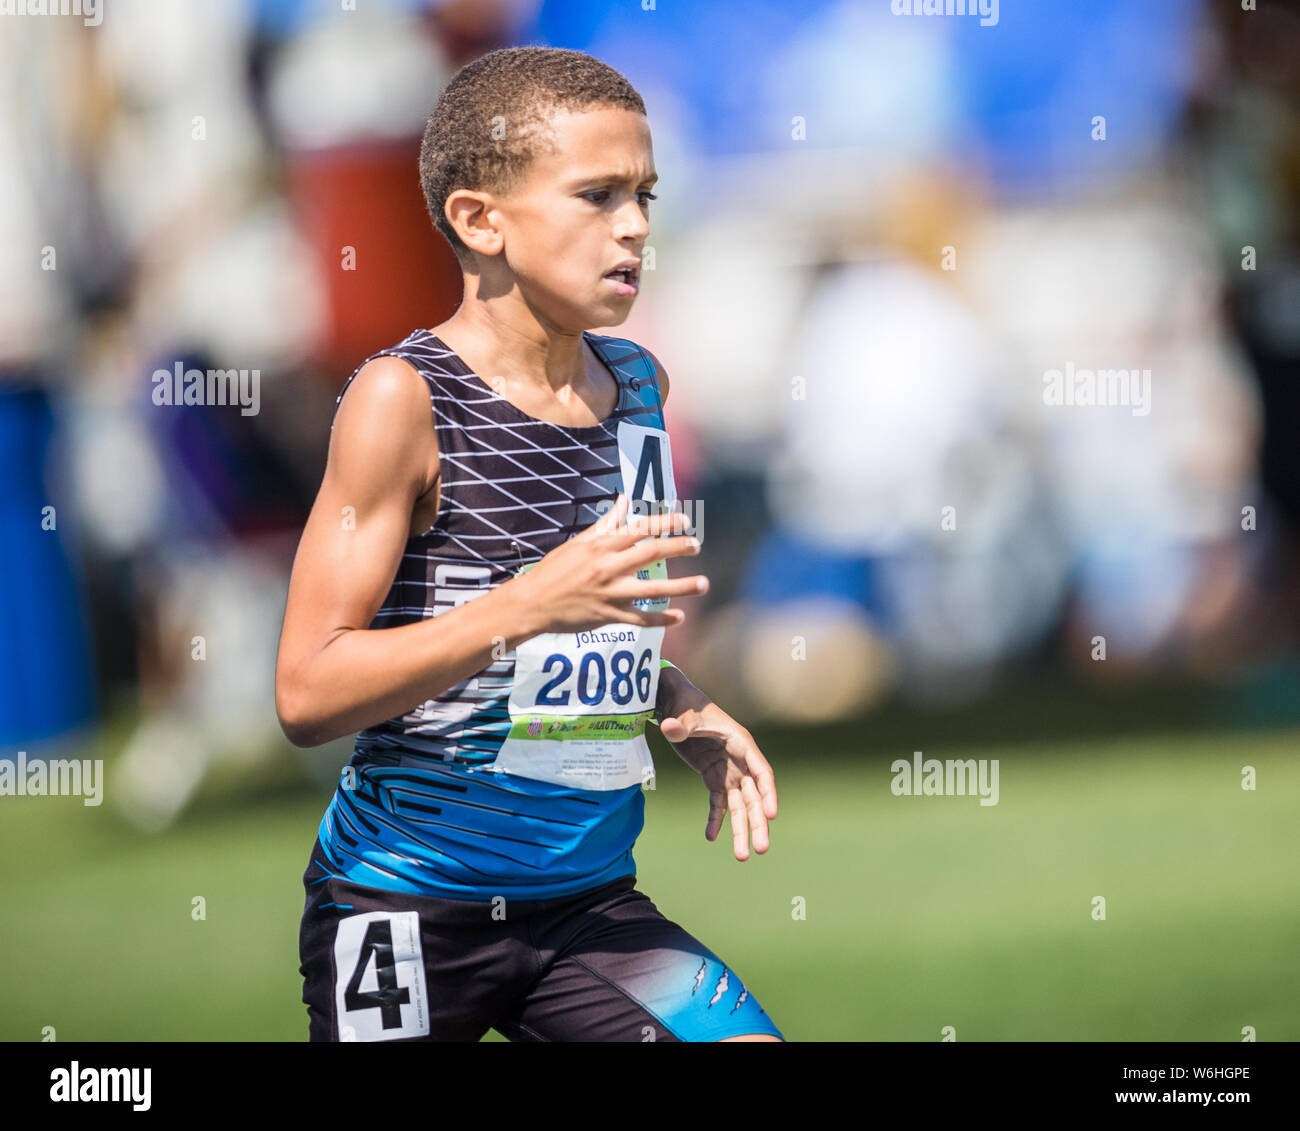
(754, 810)
(666, 530)
(717, 810)
(739, 823)
(744, 753)
(764, 779)
(635, 589)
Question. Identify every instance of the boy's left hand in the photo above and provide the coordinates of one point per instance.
(737, 775)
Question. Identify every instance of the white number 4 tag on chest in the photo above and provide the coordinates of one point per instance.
(646, 461)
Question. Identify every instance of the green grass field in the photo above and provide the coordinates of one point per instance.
(921, 912)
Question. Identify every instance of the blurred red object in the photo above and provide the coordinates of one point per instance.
(385, 269)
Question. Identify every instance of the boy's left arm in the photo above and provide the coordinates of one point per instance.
(715, 746)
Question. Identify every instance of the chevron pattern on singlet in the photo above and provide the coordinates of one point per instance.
(417, 817)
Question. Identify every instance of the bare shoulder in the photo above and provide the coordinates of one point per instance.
(384, 384)
(384, 425)
(661, 375)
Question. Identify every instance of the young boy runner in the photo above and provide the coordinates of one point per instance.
(474, 594)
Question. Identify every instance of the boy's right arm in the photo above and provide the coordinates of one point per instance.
(336, 676)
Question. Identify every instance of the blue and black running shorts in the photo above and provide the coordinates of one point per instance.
(602, 965)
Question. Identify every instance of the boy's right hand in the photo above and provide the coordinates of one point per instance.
(591, 579)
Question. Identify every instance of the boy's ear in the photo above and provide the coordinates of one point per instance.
(471, 216)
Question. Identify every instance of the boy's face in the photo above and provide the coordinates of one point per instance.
(581, 213)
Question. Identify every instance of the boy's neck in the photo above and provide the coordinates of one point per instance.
(491, 342)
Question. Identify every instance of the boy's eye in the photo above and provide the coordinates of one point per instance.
(599, 196)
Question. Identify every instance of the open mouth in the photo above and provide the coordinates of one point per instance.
(625, 280)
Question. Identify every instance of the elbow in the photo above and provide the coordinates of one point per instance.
(297, 722)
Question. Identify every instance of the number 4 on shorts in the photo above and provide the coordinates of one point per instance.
(380, 995)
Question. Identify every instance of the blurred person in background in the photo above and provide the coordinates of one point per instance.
(1243, 156)
(1148, 498)
(951, 510)
(184, 502)
(1146, 492)
(904, 494)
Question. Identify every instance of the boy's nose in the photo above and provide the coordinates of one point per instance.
(632, 224)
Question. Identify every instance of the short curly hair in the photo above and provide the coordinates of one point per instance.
(490, 120)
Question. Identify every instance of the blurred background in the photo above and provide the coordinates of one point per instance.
(877, 236)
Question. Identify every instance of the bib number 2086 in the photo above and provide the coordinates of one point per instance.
(622, 676)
